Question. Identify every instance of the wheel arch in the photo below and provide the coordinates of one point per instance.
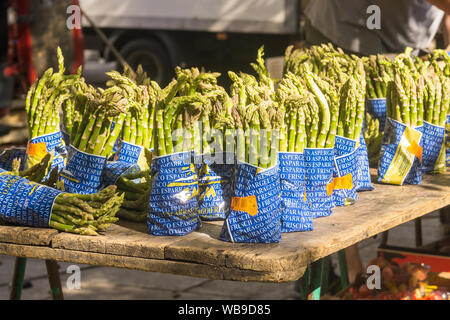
(120, 38)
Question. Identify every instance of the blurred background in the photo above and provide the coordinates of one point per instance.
(218, 35)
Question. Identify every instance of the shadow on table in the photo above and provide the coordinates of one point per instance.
(211, 228)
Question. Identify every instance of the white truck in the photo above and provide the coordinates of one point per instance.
(215, 34)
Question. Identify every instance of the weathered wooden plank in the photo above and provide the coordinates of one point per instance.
(126, 239)
(151, 265)
(374, 212)
(204, 247)
(26, 235)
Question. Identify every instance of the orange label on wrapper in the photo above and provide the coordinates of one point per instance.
(245, 204)
(38, 150)
(416, 150)
(338, 183)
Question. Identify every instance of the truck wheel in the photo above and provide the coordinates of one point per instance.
(151, 55)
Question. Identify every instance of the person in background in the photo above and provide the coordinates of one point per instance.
(446, 31)
(403, 23)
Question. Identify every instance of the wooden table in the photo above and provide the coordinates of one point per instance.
(202, 254)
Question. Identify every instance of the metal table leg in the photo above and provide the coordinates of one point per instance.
(418, 227)
(54, 279)
(343, 269)
(17, 281)
(314, 279)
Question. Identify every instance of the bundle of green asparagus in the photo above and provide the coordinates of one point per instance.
(379, 72)
(45, 98)
(405, 95)
(43, 103)
(38, 172)
(258, 117)
(352, 106)
(187, 113)
(142, 94)
(136, 196)
(405, 105)
(330, 63)
(373, 138)
(320, 109)
(93, 134)
(73, 107)
(75, 213)
(436, 97)
(86, 214)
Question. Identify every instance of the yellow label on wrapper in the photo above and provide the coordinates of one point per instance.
(245, 204)
(38, 150)
(142, 160)
(339, 183)
(407, 150)
(35, 153)
(440, 165)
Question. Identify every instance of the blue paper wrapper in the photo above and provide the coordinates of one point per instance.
(363, 179)
(292, 179)
(114, 169)
(344, 172)
(255, 207)
(401, 154)
(215, 179)
(131, 153)
(66, 137)
(38, 147)
(173, 205)
(116, 145)
(82, 173)
(433, 157)
(319, 177)
(377, 109)
(24, 202)
(447, 141)
(8, 155)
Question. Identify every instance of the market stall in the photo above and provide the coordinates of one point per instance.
(261, 182)
(202, 254)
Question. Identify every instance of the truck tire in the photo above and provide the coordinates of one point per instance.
(444, 215)
(151, 55)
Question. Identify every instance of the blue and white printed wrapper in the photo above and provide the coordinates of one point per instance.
(319, 176)
(447, 141)
(24, 202)
(113, 170)
(401, 154)
(216, 175)
(83, 172)
(53, 143)
(129, 158)
(255, 215)
(173, 205)
(377, 109)
(65, 137)
(8, 155)
(131, 153)
(344, 172)
(363, 179)
(433, 157)
(294, 217)
(116, 144)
